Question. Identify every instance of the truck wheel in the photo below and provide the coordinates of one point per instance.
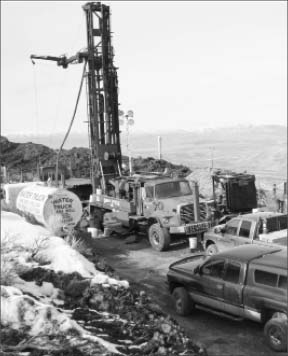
(275, 332)
(96, 218)
(159, 237)
(211, 250)
(183, 303)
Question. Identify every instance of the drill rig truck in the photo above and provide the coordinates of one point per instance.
(162, 205)
(165, 207)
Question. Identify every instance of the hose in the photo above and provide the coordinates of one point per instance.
(71, 122)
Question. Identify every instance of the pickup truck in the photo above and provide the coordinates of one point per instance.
(245, 282)
(257, 228)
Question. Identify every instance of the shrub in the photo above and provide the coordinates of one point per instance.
(78, 244)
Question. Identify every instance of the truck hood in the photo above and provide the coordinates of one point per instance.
(214, 230)
(172, 204)
(188, 264)
(276, 237)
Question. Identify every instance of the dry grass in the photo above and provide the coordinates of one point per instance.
(16, 258)
(39, 245)
(78, 244)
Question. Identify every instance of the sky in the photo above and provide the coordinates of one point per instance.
(182, 65)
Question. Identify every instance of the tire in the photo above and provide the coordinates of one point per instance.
(96, 219)
(183, 303)
(275, 331)
(159, 237)
(211, 250)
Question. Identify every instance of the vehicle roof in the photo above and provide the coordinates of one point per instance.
(261, 214)
(159, 180)
(152, 178)
(230, 174)
(247, 253)
(277, 260)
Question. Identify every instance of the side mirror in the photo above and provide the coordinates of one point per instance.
(219, 230)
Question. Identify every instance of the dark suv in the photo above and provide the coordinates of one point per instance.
(246, 282)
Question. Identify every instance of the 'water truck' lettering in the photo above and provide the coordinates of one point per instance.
(55, 208)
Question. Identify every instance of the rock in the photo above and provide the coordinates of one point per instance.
(149, 347)
(131, 239)
(77, 288)
(166, 328)
(154, 308)
(202, 350)
(95, 300)
(104, 306)
(101, 265)
(162, 350)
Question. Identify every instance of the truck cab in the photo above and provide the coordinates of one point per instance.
(166, 207)
(246, 282)
(257, 228)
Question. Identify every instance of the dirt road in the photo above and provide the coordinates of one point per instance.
(140, 264)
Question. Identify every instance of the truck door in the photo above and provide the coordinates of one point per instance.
(212, 284)
(246, 231)
(137, 194)
(231, 233)
(233, 286)
(148, 200)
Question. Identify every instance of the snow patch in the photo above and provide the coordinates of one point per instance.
(73, 261)
(21, 311)
(54, 251)
(25, 244)
(20, 232)
(47, 293)
(8, 291)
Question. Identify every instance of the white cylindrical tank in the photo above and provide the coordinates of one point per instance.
(12, 191)
(57, 209)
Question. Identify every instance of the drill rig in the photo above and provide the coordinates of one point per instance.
(102, 91)
(165, 207)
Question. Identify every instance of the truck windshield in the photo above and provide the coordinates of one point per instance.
(172, 189)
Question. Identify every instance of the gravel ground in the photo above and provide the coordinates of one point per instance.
(140, 264)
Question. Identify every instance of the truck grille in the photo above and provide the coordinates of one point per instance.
(187, 213)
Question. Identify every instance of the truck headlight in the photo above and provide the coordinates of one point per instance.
(165, 220)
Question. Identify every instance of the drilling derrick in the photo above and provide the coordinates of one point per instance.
(102, 94)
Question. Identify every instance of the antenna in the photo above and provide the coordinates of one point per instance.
(159, 147)
(127, 120)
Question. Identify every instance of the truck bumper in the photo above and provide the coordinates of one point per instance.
(190, 229)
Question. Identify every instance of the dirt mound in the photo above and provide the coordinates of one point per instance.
(124, 317)
(204, 180)
(24, 157)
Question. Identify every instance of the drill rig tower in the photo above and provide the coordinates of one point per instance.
(102, 94)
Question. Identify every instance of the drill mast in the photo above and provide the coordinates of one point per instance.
(102, 95)
(102, 88)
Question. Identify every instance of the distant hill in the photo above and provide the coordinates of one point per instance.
(261, 150)
(26, 156)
